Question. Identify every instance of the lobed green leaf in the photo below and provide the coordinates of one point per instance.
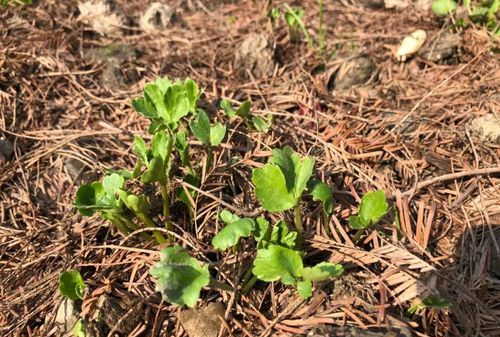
(278, 263)
(71, 285)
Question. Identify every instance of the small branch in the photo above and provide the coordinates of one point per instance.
(450, 176)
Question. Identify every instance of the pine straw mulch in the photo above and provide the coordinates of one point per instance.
(56, 111)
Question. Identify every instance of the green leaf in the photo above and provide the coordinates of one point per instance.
(71, 285)
(244, 110)
(231, 234)
(278, 263)
(192, 93)
(200, 127)
(85, 197)
(160, 145)
(357, 222)
(228, 217)
(179, 277)
(79, 329)
(271, 189)
(137, 203)
(274, 14)
(322, 271)
(373, 206)
(305, 289)
(112, 183)
(260, 124)
(280, 183)
(145, 107)
(182, 145)
(282, 236)
(227, 107)
(321, 192)
(140, 149)
(433, 301)
(262, 232)
(156, 98)
(443, 7)
(155, 172)
(217, 133)
(292, 16)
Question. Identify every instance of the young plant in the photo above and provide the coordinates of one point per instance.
(280, 183)
(321, 192)
(485, 13)
(109, 198)
(71, 285)
(372, 209)
(259, 123)
(209, 135)
(180, 277)
(277, 257)
(431, 302)
(278, 263)
(165, 103)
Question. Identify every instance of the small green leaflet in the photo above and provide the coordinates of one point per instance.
(207, 134)
(231, 234)
(321, 192)
(156, 158)
(260, 124)
(71, 285)
(280, 183)
(443, 7)
(79, 329)
(322, 271)
(99, 196)
(274, 14)
(243, 111)
(293, 16)
(179, 277)
(432, 301)
(371, 210)
(278, 263)
(305, 289)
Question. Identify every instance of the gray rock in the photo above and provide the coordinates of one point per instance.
(156, 18)
(255, 54)
(355, 71)
(486, 128)
(327, 331)
(443, 48)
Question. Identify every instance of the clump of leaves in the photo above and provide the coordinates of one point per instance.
(483, 13)
(431, 302)
(372, 209)
(259, 123)
(180, 277)
(71, 285)
(277, 256)
(280, 183)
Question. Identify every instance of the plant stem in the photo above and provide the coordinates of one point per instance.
(216, 284)
(121, 226)
(297, 219)
(132, 226)
(358, 235)
(249, 285)
(326, 224)
(147, 220)
(210, 158)
(301, 25)
(166, 210)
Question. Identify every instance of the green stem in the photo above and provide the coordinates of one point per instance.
(121, 226)
(132, 226)
(249, 285)
(210, 158)
(216, 284)
(326, 224)
(166, 210)
(297, 218)
(147, 220)
(358, 235)
(301, 25)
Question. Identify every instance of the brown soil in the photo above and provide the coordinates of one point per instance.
(65, 117)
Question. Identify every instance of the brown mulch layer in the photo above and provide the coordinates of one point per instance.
(66, 112)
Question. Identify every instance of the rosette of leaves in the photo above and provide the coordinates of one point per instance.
(278, 263)
(280, 183)
(180, 277)
(165, 102)
(102, 197)
(372, 209)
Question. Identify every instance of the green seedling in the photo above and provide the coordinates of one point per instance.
(322, 192)
(259, 123)
(293, 18)
(4, 3)
(79, 329)
(485, 13)
(166, 102)
(431, 302)
(209, 135)
(278, 263)
(180, 277)
(372, 209)
(71, 285)
(280, 183)
(101, 197)
(274, 15)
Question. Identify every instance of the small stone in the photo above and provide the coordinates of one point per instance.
(204, 322)
(156, 18)
(353, 72)
(486, 128)
(255, 54)
(67, 315)
(6, 148)
(443, 48)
